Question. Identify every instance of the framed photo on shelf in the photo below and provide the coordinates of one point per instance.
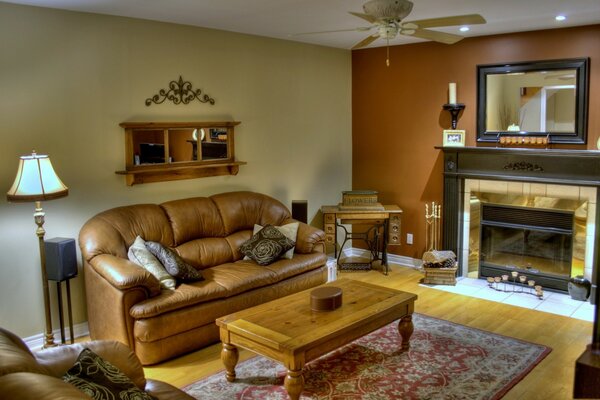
(454, 137)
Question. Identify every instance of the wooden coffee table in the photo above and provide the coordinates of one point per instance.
(288, 331)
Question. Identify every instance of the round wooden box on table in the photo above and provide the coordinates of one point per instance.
(326, 298)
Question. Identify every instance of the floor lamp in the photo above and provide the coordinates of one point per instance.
(37, 181)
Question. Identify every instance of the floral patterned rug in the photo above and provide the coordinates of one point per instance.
(445, 361)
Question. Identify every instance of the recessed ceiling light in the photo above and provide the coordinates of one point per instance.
(464, 29)
(560, 18)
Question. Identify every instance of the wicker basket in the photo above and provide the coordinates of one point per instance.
(440, 276)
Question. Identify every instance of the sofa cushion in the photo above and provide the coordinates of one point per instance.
(267, 245)
(174, 264)
(221, 282)
(99, 379)
(241, 210)
(139, 254)
(193, 218)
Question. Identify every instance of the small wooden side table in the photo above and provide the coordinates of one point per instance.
(389, 218)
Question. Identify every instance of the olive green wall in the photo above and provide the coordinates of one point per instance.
(68, 79)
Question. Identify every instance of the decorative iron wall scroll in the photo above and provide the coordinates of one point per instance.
(180, 92)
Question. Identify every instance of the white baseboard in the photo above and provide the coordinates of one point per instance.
(354, 252)
(36, 342)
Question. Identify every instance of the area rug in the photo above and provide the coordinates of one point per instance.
(445, 361)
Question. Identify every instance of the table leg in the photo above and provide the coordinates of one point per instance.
(405, 329)
(294, 384)
(230, 356)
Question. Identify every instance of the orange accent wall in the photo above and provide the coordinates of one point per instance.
(397, 111)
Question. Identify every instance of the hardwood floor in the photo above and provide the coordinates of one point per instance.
(552, 379)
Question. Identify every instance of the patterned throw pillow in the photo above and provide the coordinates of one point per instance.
(139, 254)
(174, 264)
(267, 245)
(289, 230)
(101, 380)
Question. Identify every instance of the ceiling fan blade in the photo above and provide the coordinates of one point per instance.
(359, 29)
(366, 17)
(436, 36)
(366, 41)
(469, 19)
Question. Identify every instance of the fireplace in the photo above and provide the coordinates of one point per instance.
(539, 237)
(529, 210)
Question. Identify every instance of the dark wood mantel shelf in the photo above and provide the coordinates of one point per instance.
(556, 166)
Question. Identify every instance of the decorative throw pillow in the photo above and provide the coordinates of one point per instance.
(267, 245)
(101, 380)
(139, 254)
(289, 230)
(173, 263)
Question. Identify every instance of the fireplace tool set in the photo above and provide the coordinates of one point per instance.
(531, 288)
(432, 226)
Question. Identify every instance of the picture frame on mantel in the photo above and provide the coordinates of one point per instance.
(454, 138)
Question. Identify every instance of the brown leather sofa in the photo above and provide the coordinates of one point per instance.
(125, 303)
(38, 376)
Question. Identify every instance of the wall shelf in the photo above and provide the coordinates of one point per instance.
(166, 151)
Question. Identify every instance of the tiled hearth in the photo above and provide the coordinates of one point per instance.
(552, 302)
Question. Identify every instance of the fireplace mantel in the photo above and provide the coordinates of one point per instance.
(547, 166)
(550, 166)
(568, 167)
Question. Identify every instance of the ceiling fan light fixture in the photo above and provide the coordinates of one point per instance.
(560, 18)
(464, 29)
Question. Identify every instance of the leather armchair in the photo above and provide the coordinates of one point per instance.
(26, 375)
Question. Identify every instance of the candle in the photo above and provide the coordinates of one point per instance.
(452, 93)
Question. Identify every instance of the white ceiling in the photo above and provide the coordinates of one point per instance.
(283, 18)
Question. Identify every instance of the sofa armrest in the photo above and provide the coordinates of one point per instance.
(31, 386)
(112, 286)
(164, 391)
(58, 360)
(124, 274)
(309, 238)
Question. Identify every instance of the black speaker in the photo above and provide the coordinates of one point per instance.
(300, 210)
(61, 259)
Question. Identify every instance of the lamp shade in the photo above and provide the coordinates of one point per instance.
(36, 181)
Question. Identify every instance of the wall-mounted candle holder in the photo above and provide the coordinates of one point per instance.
(454, 109)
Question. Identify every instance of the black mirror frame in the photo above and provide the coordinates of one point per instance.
(581, 65)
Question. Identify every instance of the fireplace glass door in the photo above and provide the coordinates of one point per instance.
(537, 243)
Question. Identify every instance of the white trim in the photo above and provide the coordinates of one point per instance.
(394, 259)
(36, 342)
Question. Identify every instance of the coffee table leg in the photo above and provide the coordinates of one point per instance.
(406, 328)
(294, 383)
(230, 356)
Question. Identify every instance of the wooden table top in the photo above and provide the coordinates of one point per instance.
(289, 324)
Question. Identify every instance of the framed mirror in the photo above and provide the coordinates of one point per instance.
(539, 98)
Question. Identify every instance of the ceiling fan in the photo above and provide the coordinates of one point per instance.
(386, 18)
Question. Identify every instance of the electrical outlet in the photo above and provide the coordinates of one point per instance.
(409, 238)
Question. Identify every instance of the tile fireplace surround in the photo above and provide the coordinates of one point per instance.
(572, 175)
